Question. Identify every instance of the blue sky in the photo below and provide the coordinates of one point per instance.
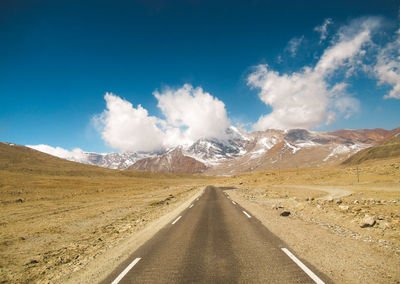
(59, 58)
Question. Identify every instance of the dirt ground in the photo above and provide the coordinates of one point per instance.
(46, 239)
(63, 222)
(328, 212)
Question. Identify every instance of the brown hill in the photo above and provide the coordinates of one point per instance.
(388, 149)
(173, 162)
(367, 136)
(58, 216)
(23, 160)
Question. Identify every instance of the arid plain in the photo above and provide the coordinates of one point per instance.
(63, 221)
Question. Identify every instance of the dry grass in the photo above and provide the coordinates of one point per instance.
(390, 148)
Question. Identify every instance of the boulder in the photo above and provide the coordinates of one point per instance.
(368, 221)
(285, 213)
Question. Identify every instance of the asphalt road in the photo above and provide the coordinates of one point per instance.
(213, 241)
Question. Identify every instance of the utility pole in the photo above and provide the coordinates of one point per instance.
(358, 176)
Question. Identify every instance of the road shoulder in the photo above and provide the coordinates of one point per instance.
(104, 264)
(343, 259)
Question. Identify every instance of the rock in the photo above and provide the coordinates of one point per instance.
(307, 199)
(274, 207)
(241, 182)
(368, 221)
(300, 206)
(329, 199)
(19, 200)
(384, 225)
(33, 261)
(356, 201)
(357, 209)
(285, 213)
(339, 201)
(343, 207)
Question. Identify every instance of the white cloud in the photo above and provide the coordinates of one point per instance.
(128, 128)
(306, 99)
(293, 45)
(387, 68)
(347, 106)
(76, 154)
(190, 114)
(200, 113)
(299, 100)
(350, 41)
(323, 29)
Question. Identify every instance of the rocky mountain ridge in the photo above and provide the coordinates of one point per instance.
(249, 151)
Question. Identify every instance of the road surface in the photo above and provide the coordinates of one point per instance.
(214, 241)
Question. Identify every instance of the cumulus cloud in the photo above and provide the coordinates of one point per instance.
(76, 154)
(190, 114)
(200, 113)
(323, 29)
(128, 128)
(387, 68)
(306, 98)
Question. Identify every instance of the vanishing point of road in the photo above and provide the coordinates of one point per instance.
(215, 241)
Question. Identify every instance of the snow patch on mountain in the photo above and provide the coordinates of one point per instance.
(341, 149)
(292, 147)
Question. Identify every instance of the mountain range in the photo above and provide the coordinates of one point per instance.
(248, 151)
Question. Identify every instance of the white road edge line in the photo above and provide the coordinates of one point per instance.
(302, 266)
(234, 202)
(191, 206)
(247, 214)
(123, 273)
(176, 220)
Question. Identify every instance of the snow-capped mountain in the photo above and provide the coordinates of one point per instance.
(271, 149)
(213, 151)
(243, 152)
(115, 160)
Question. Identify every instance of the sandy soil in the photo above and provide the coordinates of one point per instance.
(51, 241)
(99, 268)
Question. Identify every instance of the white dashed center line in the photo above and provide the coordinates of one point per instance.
(123, 273)
(302, 266)
(176, 220)
(247, 214)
